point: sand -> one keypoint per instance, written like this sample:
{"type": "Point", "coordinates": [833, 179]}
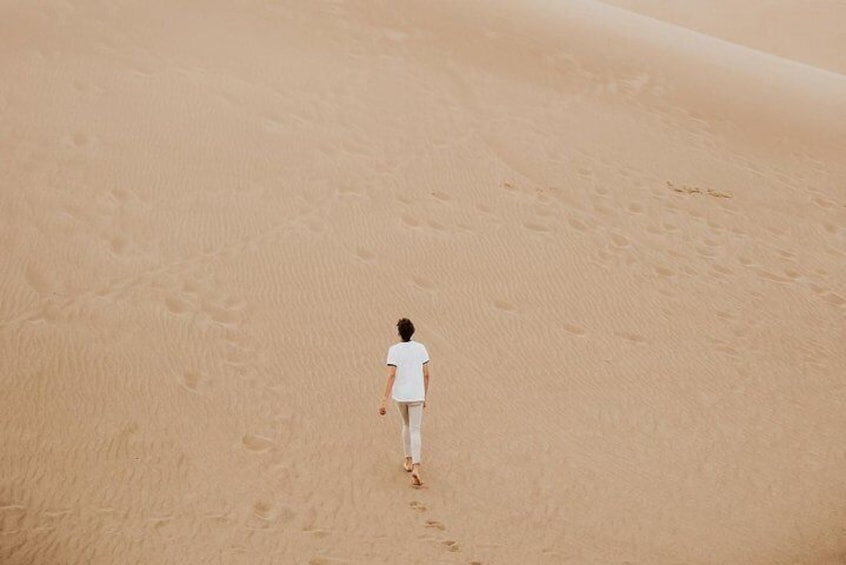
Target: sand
{"type": "Point", "coordinates": [619, 229]}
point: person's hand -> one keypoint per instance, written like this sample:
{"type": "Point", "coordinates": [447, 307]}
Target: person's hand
{"type": "Point", "coordinates": [382, 409]}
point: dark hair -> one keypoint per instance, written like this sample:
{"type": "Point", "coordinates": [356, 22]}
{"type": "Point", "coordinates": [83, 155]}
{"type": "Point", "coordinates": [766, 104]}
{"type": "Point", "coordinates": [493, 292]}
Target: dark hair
{"type": "Point", "coordinates": [406, 329]}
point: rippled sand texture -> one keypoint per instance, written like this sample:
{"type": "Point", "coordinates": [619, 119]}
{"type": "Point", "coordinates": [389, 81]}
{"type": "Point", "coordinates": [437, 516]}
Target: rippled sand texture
{"type": "Point", "coordinates": [622, 236]}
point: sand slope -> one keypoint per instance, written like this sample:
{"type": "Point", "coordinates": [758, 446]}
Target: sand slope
{"type": "Point", "coordinates": [809, 32]}
{"type": "Point", "coordinates": [623, 242]}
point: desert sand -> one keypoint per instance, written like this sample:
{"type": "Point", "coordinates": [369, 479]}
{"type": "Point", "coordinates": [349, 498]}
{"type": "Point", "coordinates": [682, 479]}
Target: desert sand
{"type": "Point", "coordinates": [620, 229]}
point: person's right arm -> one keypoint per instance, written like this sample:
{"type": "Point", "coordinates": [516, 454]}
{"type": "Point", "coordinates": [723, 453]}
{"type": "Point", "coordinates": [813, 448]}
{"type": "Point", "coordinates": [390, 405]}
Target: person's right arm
{"type": "Point", "coordinates": [425, 382]}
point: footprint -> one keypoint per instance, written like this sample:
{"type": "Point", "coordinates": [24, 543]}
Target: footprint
{"type": "Point", "coordinates": [86, 88]}
{"type": "Point", "coordinates": [80, 139]}
{"type": "Point", "coordinates": [635, 208]}
{"type": "Point", "coordinates": [437, 226]}
{"type": "Point", "coordinates": [319, 534]}
{"type": "Point", "coordinates": [364, 254]}
{"type": "Point", "coordinates": [53, 520]}
{"type": "Point", "coordinates": [395, 35]}
{"type": "Point", "coordinates": [11, 518]}
{"type": "Point", "coordinates": [349, 190]}
{"type": "Point", "coordinates": [191, 380]}
{"type": "Point", "coordinates": [410, 221]}
{"type": "Point", "coordinates": [423, 283]}
{"type": "Point", "coordinates": [176, 305]}
{"type": "Point", "coordinates": [504, 306]}
{"type": "Point", "coordinates": [355, 149]}
{"type": "Point", "coordinates": [636, 338]}
{"type": "Point", "coordinates": [577, 224]}
{"type": "Point", "coordinates": [835, 252]}
{"type": "Point", "coordinates": [417, 505]}
{"type": "Point", "coordinates": [262, 510]}
{"type": "Point", "coordinates": [435, 524]}
{"type": "Point", "coordinates": [719, 193]}
{"type": "Point", "coordinates": [222, 315]}
{"type": "Point", "coordinates": [619, 240]}
{"type": "Point", "coordinates": [831, 228]}
{"type": "Point", "coordinates": [706, 252]}
{"type": "Point", "coordinates": [727, 349]}
{"type": "Point", "coordinates": [266, 516]}
{"type": "Point", "coordinates": [191, 286]}
{"type": "Point", "coordinates": [823, 202]}
{"type": "Point", "coordinates": [835, 299]}
{"type": "Point", "coordinates": [38, 280]}
{"type": "Point", "coordinates": [272, 123]}
{"type": "Point", "coordinates": [442, 196]}
{"type": "Point", "coordinates": [604, 210]}
{"type": "Point", "coordinates": [770, 276]}
{"type": "Point", "coordinates": [118, 245]}
{"type": "Point", "coordinates": [314, 226]}
{"type": "Point", "coordinates": [574, 329]}
{"type": "Point", "coordinates": [451, 545]}
{"type": "Point", "coordinates": [664, 271]}
{"type": "Point", "coordinates": [604, 257]}
{"type": "Point", "coordinates": [723, 315]}
{"type": "Point", "coordinates": [535, 227]}
{"type": "Point", "coordinates": [256, 443]}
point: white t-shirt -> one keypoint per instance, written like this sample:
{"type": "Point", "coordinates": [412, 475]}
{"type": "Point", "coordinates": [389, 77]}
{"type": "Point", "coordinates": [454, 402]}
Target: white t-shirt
{"type": "Point", "coordinates": [408, 357]}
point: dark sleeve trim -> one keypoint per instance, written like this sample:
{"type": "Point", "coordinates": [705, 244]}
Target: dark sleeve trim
{"type": "Point", "coordinates": [426, 361]}
{"type": "Point", "coordinates": [391, 365]}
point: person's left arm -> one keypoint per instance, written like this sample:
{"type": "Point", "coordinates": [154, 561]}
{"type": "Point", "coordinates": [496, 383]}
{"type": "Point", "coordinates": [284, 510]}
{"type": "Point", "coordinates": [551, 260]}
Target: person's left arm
{"type": "Point", "coordinates": [425, 382]}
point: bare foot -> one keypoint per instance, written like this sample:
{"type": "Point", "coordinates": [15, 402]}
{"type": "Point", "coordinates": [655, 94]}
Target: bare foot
{"type": "Point", "coordinates": [415, 475]}
{"type": "Point", "coordinates": [407, 464]}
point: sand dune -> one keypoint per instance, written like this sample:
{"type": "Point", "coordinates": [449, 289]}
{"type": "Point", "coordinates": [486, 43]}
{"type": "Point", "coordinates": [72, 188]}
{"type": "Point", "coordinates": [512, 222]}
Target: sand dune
{"type": "Point", "coordinates": [806, 32]}
{"type": "Point", "coordinates": [621, 237]}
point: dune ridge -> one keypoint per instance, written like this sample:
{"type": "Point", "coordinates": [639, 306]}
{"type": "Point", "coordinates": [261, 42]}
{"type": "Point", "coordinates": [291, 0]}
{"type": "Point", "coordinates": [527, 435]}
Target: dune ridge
{"type": "Point", "coordinates": [785, 30]}
{"type": "Point", "coordinates": [648, 58]}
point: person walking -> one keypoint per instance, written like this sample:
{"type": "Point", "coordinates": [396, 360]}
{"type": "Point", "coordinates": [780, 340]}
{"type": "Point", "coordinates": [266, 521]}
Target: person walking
{"type": "Point", "coordinates": [408, 384]}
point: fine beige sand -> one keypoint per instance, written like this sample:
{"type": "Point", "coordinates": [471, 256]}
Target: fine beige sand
{"type": "Point", "coordinates": [620, 229]}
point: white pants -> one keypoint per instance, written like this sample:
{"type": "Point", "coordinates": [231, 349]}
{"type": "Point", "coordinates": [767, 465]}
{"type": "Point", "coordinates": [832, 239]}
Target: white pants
{"type": "Point", "coordinates": [412, 418]}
